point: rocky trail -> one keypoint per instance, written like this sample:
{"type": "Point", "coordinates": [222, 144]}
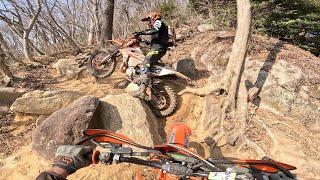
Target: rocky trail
{"type": "Point", "coordinates": [284, 119]}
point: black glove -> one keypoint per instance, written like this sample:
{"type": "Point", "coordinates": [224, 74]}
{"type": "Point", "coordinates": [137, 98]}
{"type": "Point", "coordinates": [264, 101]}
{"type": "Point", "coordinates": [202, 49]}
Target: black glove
{"type": "Point", "coordinates": [137, 33]}
{"type": "Point", "coordinates": [72, 158]}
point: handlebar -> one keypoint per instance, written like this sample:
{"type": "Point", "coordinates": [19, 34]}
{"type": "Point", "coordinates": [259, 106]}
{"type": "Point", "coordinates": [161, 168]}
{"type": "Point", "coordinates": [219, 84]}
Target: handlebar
{"type": "Point", "coordinates": [175, 159]}
{"type": "Point", "coordinates": [167, 166]}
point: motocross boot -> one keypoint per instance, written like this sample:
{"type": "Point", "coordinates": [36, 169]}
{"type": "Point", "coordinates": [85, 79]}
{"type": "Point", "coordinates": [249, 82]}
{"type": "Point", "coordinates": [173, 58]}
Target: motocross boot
{"type": "Point", "coordinates": [141, 93]}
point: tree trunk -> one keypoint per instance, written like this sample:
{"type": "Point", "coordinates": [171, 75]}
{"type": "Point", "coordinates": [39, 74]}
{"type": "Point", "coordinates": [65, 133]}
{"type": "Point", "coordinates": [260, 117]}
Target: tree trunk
{"type": "Point", "coordinates": [26, 32]}
{"type": "Point", "coordinates": [3, 67]}
{"type": "Point", "coordinates": [107, 27]}
{"type": "Point", "coordinates": [97, 21]}
{"type": "Point", "coordinates": [36, 49]}
{"type": "Point", "coordinates": [91, 32]}
{"type": "Point", "coordinates": [7, 48]}
{"type": "Point", "coordinates": [232, 75]}
{"type": "Point", "coordinates": [234, 105]}
{"type": "Point", "coordinates": [238, 55]}
{"type": "Point", "coordinates": [26, 48]}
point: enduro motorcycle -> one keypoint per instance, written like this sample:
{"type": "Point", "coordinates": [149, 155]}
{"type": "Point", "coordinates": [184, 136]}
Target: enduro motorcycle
{"type": "Point", "coordinates": [174, 160]}
{"type": "Point", "coordinates": [160, 96]}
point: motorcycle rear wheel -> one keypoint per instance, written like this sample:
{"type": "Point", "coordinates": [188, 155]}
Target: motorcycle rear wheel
{"type": "Point", "coordinates": [98, 69]}
{"type": "Point", "coordinates": [164, 101]}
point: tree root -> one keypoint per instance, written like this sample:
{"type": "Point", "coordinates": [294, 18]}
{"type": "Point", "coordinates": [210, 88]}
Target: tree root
{"type": "Point", "coordinates": [250, 144]}
{"type": "Point", "coordinates": [240, 147]}
{"type": "Point", "coordinates": [271, 136]}
{"type": "Point", "coordinates": [255, 146]}
{"type": "Point", "coordinates": [282, 123]}
{"type": "Point", "coordinates": [203, 91]}
{"type": "Point", "coordinates": [98, 87]}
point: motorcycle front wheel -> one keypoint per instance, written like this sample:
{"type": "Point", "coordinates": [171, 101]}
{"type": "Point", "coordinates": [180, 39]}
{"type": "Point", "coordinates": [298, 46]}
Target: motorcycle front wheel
{"type": "Point", "coordinates": [164, 100]}
{"type": "Point", "coordinates": [100, 66]}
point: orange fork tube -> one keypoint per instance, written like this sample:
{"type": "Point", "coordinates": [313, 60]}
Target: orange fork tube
{"type": "Point", "coordinates": [166, 176]}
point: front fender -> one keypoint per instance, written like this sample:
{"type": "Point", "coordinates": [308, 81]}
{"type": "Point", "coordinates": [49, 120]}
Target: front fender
{"type": "Point", "coordinates": [165, 71]}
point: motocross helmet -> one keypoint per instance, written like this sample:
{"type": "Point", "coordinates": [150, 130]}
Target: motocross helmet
{"type": "Point", "coordinates": [152, 16]}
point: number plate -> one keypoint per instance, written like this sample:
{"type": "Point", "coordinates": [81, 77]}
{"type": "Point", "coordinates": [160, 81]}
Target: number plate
{"type": "Point", "coordinates": [222, 176]}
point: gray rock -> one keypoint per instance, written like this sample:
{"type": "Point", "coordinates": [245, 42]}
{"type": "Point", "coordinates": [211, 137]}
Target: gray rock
{"type": "Point", "coordinates": [130, 117]}
{"type": "Point", "coordinates": [44, 102]}
{"type": "Point", "coordinates": [205, 27]}
{"type": "Point", "coordinates": [69, 68]}
{"type": "Point", "coordinates": [283, 88]}
{"type": "Point", "coordinates": [186, 66]}
{"type": "Point", "coordinates": [65, 126]}
{"type": "Point", "coordinates": [277, 99]}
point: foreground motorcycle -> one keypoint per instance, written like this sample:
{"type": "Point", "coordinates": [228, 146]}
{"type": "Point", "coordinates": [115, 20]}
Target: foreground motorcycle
{"type": "Point", "coordinates": [160, 96]}
{"type": "Point", "coordinates": [174, 160]}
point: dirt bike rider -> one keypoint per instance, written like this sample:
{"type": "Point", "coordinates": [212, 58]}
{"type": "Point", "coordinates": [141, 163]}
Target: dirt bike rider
{"type": "Point", "coordinates": [159, 45]}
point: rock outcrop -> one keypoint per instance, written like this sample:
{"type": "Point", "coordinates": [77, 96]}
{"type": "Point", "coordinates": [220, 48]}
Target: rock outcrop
{"type": "Point", "coordinates": [130, 117]}
{"type": "Point", "coordinates": [121, 113]}
{"type": "Point", "coordinates": [284, 86]}
{"type": "Point", "coordinates": [284, 78]}
{"type": "Point", "coordinates": [65, 126]}
{"type": "Point", "coordinates": [44, 102]}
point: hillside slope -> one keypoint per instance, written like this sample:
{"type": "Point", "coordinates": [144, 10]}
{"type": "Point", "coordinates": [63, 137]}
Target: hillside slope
{"type": "Point", "coordinates": [284, 115]}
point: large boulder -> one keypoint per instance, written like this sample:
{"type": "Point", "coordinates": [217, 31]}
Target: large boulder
{"type": "Point", "coordinates": [7, 96]}
{"type": "Point", "coordinates": [65, 126]}
{"type": "Point", "coordinates": [186, 66]}
{"type": "Point", "coordinates": [44, 102]}
{"type": "Point", "coordinates": [130, 117]}
{"type": "Point", "coordinates": [283, 88]}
